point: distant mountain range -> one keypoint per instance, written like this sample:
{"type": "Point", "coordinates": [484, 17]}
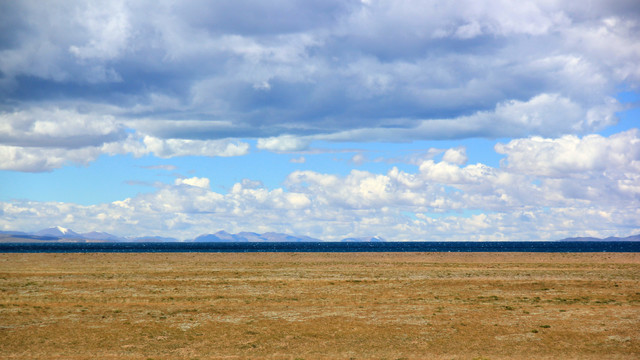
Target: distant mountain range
{"type": "Point", "coordinates": [60, 234]}
{"type": "Point", "coordinates": [611, 238]}
{"type": "Point", "coordinates": [223, 236]}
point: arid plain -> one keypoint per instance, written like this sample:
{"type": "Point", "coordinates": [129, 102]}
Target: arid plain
{"type": "Point", "coordinates": [319, 305]}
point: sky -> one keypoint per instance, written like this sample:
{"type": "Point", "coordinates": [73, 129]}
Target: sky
{"type": "Point", "coordinates": [409, 120]}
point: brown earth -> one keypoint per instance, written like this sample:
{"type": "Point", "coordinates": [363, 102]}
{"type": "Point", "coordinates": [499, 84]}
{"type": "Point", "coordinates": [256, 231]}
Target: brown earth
{"type": "Point", "coordinates": [307, 306]}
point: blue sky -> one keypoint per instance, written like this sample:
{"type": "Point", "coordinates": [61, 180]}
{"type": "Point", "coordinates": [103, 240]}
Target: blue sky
{"type": "Point", "coordinates": [411, 120]}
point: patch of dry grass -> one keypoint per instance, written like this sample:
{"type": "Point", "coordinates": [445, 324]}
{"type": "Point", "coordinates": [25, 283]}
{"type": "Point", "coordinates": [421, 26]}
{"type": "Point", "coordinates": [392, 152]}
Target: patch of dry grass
{"type": "Point", "coordinates": [296, 305]}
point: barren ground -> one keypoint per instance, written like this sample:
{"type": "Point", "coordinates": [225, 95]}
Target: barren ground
{"type": "Point", "coordinates": [317, 305]}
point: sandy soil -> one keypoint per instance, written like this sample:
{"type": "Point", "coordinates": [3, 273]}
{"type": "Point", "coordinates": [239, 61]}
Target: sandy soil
{"type": "Point", "coordinates": [308, 306]}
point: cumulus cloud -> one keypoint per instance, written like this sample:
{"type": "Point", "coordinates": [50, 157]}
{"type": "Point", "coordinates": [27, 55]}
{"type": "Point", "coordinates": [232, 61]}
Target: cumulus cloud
{"type": "Point", "coordinates": [194, 181]}
{"type": "Point", "coordinates": [570, 155]}
{"type": "Point", "coordinates": [456, 156]}
{"type": "Point", "coordinates": [441, 200]}
{"type": "Point", "coordinates": [593, 168]}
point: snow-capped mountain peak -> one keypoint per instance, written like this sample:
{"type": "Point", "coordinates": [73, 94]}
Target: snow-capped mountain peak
{"type": "Point", "coordinates": [57, 231]}
{"type": "Point", "coordinates": [62, 230]}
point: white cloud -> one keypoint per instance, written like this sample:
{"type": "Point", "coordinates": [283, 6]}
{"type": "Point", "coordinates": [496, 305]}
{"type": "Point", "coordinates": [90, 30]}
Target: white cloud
{"type": "Point", "coordinates": [194, 181]}
{"type": "Point", "coordinates": [594, 168]}
{"type": "Point", "coordinates": [42, 159]}
{"type": "Point", "coordinates": [58, 127]}
{"type": "Point", "coordinates": [39, 159]}
{"type": "Point", "coordinates": [283, 143]}
{"type": "Point", "coordinates": [456, 156]}
{"type": "Point", "coordinates": [570, 155]}
{"type": "Point", "coordinates": [167, 148]}
{"type": "Point", "coordinates": [442, 172]}
{"type": "Point", "coordinates": [45, 138]}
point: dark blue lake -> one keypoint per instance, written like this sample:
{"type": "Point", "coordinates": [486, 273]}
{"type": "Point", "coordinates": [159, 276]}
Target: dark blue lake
{"type": "Point", "coordinates": [426, 246]}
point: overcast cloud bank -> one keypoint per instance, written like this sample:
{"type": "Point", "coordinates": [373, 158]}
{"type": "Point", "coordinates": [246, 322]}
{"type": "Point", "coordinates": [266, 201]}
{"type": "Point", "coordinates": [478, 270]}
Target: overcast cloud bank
{"type": "Point", "coordinates": [173, 79]}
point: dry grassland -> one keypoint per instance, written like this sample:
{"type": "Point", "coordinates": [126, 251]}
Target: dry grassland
{"type": "Point", "coordinates": [307, 306]}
